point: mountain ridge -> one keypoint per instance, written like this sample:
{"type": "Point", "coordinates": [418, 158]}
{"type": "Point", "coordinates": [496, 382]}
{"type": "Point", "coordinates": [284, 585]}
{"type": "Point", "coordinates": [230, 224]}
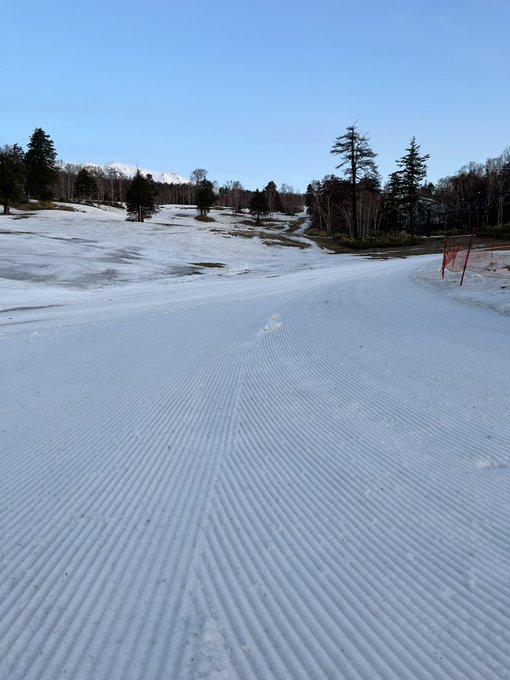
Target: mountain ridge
{"type": "Point", "coordinates": [129, 171]}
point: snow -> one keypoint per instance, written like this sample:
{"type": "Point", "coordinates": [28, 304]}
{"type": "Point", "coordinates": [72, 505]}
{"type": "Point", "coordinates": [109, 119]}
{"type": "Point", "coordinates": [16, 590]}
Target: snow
{"type": "Point", "coordinates": [295, 465]}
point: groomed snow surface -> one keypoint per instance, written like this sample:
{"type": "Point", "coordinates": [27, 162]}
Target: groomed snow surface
{"type": "Point", "coordinates": [293, 466]}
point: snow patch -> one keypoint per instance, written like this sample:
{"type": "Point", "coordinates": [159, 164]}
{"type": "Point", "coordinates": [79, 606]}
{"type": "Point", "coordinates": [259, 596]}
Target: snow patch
{"type": "Point", "coordinates": [489, 462]}
{"type": "Point", "coordinates": [215, 662]}
{"type": "Point", "coordinates": [273, 324]}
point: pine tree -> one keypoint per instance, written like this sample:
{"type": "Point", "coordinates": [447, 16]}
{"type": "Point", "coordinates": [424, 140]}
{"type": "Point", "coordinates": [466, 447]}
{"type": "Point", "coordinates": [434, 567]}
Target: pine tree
{"type": "Point", "coordinates": [85, 185]}
{"type": "Point", "coordinates": [204, 196]}
{"type": "Point", "coordinates": [141, 198]}
{"type": "Point", "coordinates": [12, 176]}
{"type": "Point", "coordinates": [40, 164]}
{"type": "Point", "coordinates": [258, 205]}
{"type": "Point", "coordinates": [413, 172]}
{"type": "Point", "coordinates": [358, 158]}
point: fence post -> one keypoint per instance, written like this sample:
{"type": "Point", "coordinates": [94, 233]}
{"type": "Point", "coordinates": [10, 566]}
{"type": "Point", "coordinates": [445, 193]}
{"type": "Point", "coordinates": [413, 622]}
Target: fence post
{"type": "Point", "coordinates": [467, 257]}
{"type": "Point", "coordinates": [445, 248]}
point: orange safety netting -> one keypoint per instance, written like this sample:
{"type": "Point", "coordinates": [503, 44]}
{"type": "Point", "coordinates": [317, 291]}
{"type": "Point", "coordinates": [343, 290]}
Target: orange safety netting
{"type": "Point", "coordinates": [492, 260]}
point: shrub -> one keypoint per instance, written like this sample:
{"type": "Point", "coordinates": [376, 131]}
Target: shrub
{"type": "Point", "coordinates": [499, 233]}
{"type": "Point", "coordinates": [204, 218]}
{"type": "Point", "coordinates": [378, 241]}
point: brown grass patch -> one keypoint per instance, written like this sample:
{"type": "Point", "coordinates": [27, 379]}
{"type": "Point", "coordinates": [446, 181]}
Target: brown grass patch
{"type": "Point", "coordinates": [208, 265]}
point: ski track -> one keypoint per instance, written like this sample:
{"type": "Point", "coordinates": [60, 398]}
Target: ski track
{"type": "Point", "coordinates": [302, 482]}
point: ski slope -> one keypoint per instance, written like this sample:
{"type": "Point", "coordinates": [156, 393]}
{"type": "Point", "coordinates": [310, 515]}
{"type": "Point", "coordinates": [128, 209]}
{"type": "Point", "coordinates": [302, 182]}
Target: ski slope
{"type": "Point", "coordinates": [293, 476]}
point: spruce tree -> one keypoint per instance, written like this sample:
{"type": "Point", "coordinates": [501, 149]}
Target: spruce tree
{"type": "Point", "coordinates": [310, 197]}
{"type": "Point", "coordinates": [40, 164]}
{"type": "Point", "coordinates": [204, 196]}
{"type": "Point", "coordinates": [393, 202]}
{"type": "Point", "coordinates": [358, 159]}
{"type": "Point", "coordinates": [413, 172]}
{"type": "Point", "coordinates": [258, 205]}
{"type": "Point", "coordinates": [12, 176]}
{"type": "Point", "coordinates": [141, 198]}
{"type": "Point", "coordinates": [85, 185]}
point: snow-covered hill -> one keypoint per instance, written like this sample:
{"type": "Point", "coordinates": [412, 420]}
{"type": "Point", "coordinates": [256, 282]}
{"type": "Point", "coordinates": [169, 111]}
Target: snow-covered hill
{"type": "Point", "coordinates": [129, 171]}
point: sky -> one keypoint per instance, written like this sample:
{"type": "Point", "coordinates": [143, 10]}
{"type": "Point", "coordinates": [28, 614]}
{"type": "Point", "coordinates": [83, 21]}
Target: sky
{"type": "Point", "coordinates": [257, 91]}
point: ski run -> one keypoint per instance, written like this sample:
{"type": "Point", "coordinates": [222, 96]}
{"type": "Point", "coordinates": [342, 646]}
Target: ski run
{"type": "Point", "coordinates": [232, 458]}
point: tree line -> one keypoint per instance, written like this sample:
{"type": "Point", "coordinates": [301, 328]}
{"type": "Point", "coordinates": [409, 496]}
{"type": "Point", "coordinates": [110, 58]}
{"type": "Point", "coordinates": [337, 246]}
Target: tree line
{"type": "Point", "coordinates": [143, 193]}
{"type": "Point", "coordinates": [356, 203]}
{"type": "Point", "coordinates": [37, 174]}
{"type": "Point", "coordinates": [31, 173]}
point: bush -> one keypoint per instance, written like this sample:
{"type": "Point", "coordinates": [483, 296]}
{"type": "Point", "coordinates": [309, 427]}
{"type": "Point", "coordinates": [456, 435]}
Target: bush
{"type": "Point", "coordinates": [204, 218]}
{"type": "Point", "coordinates": [499, 233]}
{"type": "Point", "coordinates": [313, 231]}
{"type": "Point", "coordinates": [378, 241]}
{"type": "Point", "coordinates": [40, 205]}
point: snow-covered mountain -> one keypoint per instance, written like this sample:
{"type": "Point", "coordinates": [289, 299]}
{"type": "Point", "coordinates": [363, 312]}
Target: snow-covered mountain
{"type": "Point", "coordinates": [129, 171]}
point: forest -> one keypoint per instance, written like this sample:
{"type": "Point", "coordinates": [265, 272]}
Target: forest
{"type": "Point", "coordinates": [476, 197]}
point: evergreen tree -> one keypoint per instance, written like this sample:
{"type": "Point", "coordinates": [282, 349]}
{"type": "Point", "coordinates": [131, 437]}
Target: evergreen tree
{"type": "Point", "coordinates": [204, 196]}
{"type": "Point", "coordinates": [358, 159]}
{"type": "Point", "coordinates": [310, 197]}
{"type": "Point", "coordinates": [393, 214]}
{"type": "Point", "coordinates": [271, 195]}
{"type": "Point", "coordinates": [40, 164]}
{"type": "Point", "coordinates": [85, 185]}
{"type": "Point", "coordinates": [258, 205]}
{"type": "Point", "coordinates": [12, 176]}
{"type": "Point", "coordinates": [413, 172]}
{"type": "Point", "coordinates": [141, 198]}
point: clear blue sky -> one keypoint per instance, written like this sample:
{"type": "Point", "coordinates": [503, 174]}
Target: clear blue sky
{"type": "Point", "coordinates": [258, 90]}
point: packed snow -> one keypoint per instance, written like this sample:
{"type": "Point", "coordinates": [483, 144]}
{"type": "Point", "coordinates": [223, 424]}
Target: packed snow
{"type": "Point", "coordinates": [229, 454]}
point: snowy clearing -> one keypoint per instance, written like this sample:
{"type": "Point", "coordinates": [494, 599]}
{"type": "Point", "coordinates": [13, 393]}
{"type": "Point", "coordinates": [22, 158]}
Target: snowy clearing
{"type": "Point", "coordinates": [291, 466]}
